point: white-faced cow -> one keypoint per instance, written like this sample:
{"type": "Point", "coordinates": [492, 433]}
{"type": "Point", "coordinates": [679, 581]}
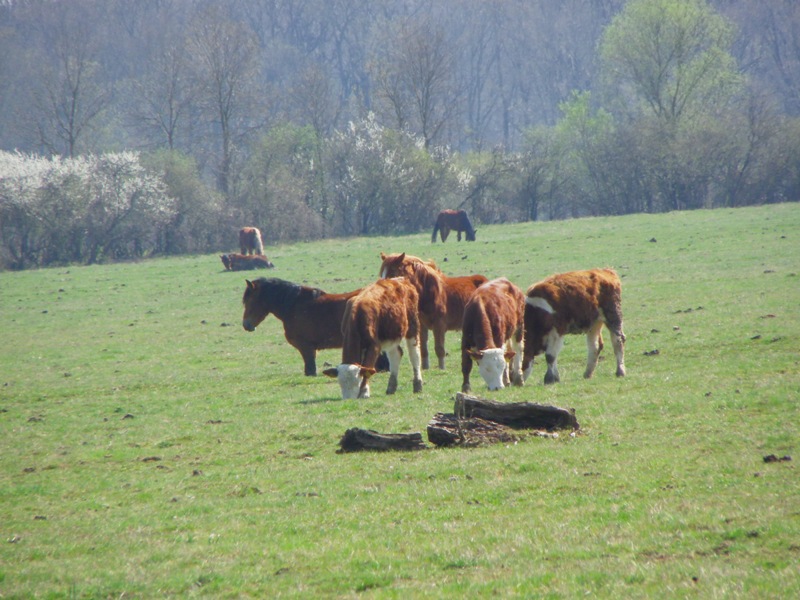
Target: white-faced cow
{"type": "Point", "coordinates": [379, 318]}
{"type": "Point", "coordinates": [492, 334]}
{"type": "Point", "coordinates": [575, 302]}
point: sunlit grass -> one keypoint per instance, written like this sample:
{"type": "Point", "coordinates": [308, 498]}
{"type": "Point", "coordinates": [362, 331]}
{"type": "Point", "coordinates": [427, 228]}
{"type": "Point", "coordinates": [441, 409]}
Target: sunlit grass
{"type": "Point", "coordinates": [153, 448]}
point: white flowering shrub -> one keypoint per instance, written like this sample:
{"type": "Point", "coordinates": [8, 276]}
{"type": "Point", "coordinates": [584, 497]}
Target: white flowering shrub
{"type": "Point", "coordinates": [85, 209]}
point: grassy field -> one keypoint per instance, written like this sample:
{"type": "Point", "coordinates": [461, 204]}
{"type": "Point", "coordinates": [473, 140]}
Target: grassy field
{"type": "Point", "coordinates": [152, 448]}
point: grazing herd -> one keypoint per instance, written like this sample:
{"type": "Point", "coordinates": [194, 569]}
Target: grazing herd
{"type": "Point", "coordinates": [502, 328]}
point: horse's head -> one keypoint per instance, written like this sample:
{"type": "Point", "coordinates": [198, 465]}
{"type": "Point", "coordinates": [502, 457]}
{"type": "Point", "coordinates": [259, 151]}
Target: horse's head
{"type": "Point", "coordinates": [226, 261]}
{"type": "Point", "coordinates": [393, 265]}
{"type": "Point", "coordinates": [256, 308]}
{"type": "Point", "coordinates": [471, 235]}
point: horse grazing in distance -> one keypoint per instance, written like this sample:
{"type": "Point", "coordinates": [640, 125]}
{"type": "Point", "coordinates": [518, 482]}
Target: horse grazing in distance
{"type": "Point", "coordinates": [456, 220]}
{"type": "Point", "coordinates": [441, 298]}
{"type": "Point", "coordinates": [250, 241]}
{"type": "Point", "coordinates": [312, 318]}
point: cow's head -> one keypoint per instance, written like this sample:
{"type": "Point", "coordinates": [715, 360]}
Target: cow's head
{"type": "Point", "coordinates": [492, 365]}
{"type": "Point", "coordinates": [353, 379]}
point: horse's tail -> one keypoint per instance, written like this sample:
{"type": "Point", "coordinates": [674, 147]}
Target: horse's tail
{"type": "Point", "coordinates": [435, 231]}
{"type": "Point", "coordinates": [259, 245]}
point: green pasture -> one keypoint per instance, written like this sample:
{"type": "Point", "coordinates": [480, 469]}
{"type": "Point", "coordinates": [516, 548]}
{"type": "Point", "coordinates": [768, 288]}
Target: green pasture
{"type": "Point", "coordinates": [152, 448]}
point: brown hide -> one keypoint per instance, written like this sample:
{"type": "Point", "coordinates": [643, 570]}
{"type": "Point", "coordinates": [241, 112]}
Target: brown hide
{"type": "Point", "coordinates": [383, 311]}
{"type": "Point", "coordinates": [250, 241]}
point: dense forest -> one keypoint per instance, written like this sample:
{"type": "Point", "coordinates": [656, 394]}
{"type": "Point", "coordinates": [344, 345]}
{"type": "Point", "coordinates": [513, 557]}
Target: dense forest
{"type": "Point", "coordinates": [134, 128]}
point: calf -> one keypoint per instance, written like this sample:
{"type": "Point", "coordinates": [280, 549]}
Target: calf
{"type": "Point", "coordinates": [378, 318]}
{"type": "Point", "coordinates": [245, 262]}
{"type": "Point", "coordinates": [575, 302]}
{"type": "Point", "coordinates": [492, 334]}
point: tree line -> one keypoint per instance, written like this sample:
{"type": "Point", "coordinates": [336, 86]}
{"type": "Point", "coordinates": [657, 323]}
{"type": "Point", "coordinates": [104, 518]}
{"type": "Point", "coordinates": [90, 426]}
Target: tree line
{"type": "Point", "coordinates": [161, 126]}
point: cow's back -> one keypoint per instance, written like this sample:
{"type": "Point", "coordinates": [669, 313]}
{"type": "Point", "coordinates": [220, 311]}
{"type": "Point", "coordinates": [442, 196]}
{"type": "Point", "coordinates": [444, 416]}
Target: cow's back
{"type": "Point", "coordinates": [493, 314]}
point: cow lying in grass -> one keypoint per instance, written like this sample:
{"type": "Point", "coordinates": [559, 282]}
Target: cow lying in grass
{"type": "Point", "coordinates": [575, 302]}
{"type": "Point", "coordinates": [379, 318]}
{"type": "Point", "coordinates": [492, 334]}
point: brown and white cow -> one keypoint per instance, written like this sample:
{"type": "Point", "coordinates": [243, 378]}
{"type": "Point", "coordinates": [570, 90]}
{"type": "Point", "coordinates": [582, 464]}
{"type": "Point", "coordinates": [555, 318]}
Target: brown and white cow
{"type": "Point", "coordinates": [378, 319]}
{"type": "Point", "coordinates": [493, 333]}
{"type": "Point", "coordinates": [245, 262]}
{"type": "Point", "coordinates": [574, 302]}
{"type": "Point", "coordinates": [441, 298]}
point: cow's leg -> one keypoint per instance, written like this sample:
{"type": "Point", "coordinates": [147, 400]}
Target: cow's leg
{"type": "Point", "coordinates": [310, 360]}
{"type": "Point", "coordinates": [439, 330]}
{"type": "Point", "coordinates": [527, 368]}
{"type": "Point", "coordinates": [518, 346]}
{"type": "Point", "coordinates": [423, 346]}
{"type": "Point", "coordinates": [466, 368]}
{"type": "Point", "coordinates": [370, 357]}
{"type": "Point", "coordinates": [394, 356]}
{"type": "Point", "coordinates": [553, 348]}
{"type": "Point", "coordinates": [594, 343]}
{"type": "Point", "coordinates": [614, 324]}
{"type": "Point", "coordinates": [618, 342]}
{"type": "Point", "coordinates": [414, 356]}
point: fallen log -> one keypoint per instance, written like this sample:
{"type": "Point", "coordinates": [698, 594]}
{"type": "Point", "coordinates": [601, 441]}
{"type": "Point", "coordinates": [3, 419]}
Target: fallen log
{"type": "Point", "coordinates": [517, 415]}
{"type": "Point", "coordinates": [355, 440]}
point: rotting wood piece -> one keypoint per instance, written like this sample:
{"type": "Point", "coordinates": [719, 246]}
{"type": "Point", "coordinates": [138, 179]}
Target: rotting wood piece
{"type": "Point", "coordinates": [449, 430]}
{"type": "Point", "coordinates": [356, 439]}
{"type": "Point", "coordinates": [517, 415]}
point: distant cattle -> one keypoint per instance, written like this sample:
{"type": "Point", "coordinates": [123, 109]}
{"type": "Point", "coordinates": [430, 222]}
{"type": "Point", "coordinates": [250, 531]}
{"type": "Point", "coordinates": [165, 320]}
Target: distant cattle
{"type": "Point", "coordinates": [575, 302]}
{"type": "Point", "coordinates": [379, 318]}
{"type": "Point", "coordinates": [441, 298]}
{"type": "Point", "coordinates": [492, 334]}
{"type": "Point", "coordinates": [453, 219]}
{"type": "Point", "coordinates": [250, 240]}
{"type": "Point", "coordinates": [245, 262]}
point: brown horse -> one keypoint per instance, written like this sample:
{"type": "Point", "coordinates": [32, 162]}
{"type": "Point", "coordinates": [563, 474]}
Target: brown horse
{"type": "Point", "coordinates": [456, 220]}
{"type": "Point", "coordinates": [441, 298]}
{"type": "Point", "coordinates": [245, 262]}
{"type": "Point", "coordinates": [312, 318]}
{"type": "Point", "coordinates": [250, 240]}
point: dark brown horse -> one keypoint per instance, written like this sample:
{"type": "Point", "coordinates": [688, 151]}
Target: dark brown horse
{"type": "Point", "coordinates": [250, 240]}
{"type": "Point", "coordinates": [441, 298]}
{"type": "Point", "coordinates": [312, 318]}
{"type": "Point", "coordinates": [456, 220]}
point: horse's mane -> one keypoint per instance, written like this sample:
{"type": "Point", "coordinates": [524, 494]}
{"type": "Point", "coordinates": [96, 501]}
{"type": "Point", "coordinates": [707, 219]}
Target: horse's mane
{"type": "Point", "coordinates": [284, 294]}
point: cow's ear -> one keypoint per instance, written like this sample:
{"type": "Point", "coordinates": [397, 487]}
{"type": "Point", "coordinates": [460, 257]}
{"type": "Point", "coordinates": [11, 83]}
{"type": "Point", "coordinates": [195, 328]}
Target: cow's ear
{"type": "Point", "coordinates": [401, 257]}
{"type": "Point", "coordinates": [475, 354]}
{"type": "Point", "coordinates": [510, 354]}
{"type": "Point", "coordinates": [383, 256]}
{"type": "Point", "coordinates": [367, 372]}
{"type": "Point", "coordinates": [332, 372]}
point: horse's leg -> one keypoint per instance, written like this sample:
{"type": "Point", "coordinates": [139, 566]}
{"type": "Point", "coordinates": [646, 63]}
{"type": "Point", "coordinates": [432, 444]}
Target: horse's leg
{"type": "Point", "coordinates": [439, 330]}
{"type": "Point", "coordinates": [445, 231]}
{"type": "Point", "coordinates": [423, 346]}
{"type": "Point", "coordinates": [458, 237]}
{"type": "Point", "coordinates": [414, 356]}
{"type": "Point", "coordinates": [466, 368]}
{"type": "Point", "coordinates": [309, 354]}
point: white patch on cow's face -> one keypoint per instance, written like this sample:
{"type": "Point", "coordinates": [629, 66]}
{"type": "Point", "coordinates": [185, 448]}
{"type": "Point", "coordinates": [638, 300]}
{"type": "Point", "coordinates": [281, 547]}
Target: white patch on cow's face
{"type": "Point", "coordinates": [350, 381]}
{"type": "Point", "coordinates": [383, 274]}
{"type": "Point", "coordinates": [541, 303]}
{"type": "Point", "coordinates": [491, 366]}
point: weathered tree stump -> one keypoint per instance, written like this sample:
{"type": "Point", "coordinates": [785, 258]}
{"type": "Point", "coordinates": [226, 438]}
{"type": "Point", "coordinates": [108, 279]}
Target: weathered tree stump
{"type": "Point", "coordinates": [479, 421]}
{"type": "Point", "coordinates": [449, 430]}
{"type": "Point", "coordinates": [355, 440]}
{"type": "Point", "coordinates": [517, 415]}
